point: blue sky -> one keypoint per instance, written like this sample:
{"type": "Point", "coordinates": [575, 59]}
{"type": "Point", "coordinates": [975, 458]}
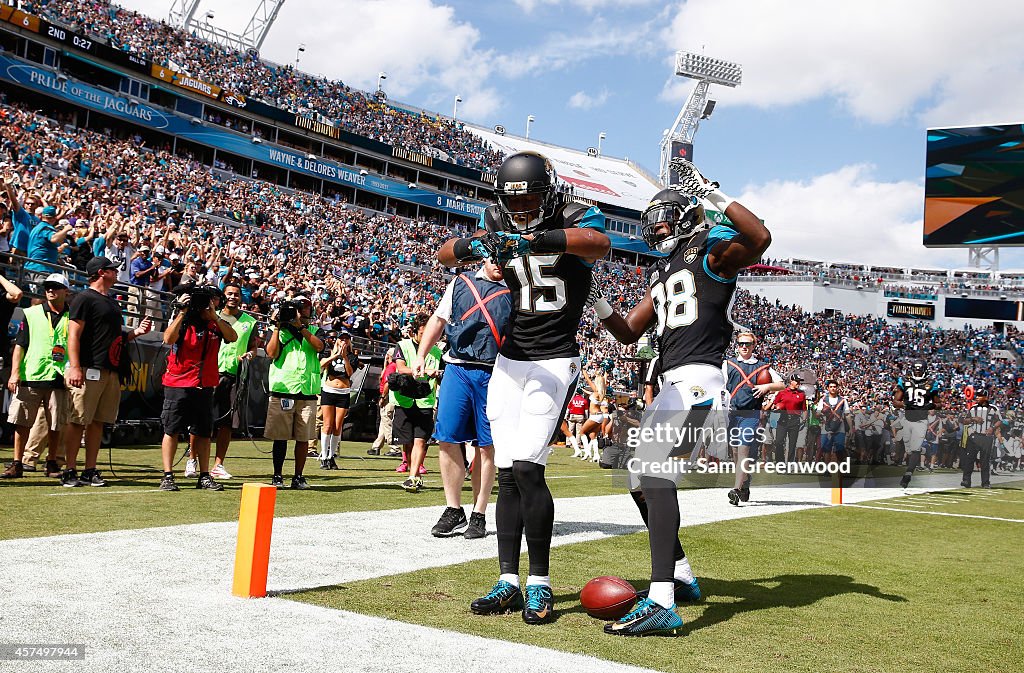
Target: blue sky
{"type": "Point", "coordinates": [824, 139]}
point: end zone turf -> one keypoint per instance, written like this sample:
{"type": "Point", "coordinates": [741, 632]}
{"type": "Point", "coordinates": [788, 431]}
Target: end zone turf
{"type": "Point", "coordinates": [822, 589]}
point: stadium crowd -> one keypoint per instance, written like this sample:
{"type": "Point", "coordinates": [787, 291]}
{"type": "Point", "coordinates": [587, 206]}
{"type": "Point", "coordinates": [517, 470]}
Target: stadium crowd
{"type": "Point", "coordinates": [284, 86]}
{"type": "Point", "coordinates": [166, 219]}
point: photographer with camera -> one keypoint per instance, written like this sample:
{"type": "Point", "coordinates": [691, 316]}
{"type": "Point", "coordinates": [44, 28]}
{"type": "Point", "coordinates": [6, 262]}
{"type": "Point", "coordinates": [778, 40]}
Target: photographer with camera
{"type": "Point", "coordinates": [335, 395]}
{"type": "Point", "coordinates": [194, 335]}
{"type": "Point", "coordinates": [294, 380]}
{"type": "Point", "coordinates": [229, 361]}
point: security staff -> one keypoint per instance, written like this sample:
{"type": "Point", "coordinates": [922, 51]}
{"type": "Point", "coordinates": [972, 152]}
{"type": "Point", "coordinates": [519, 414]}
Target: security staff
{"type": "Point", "coordinates": [37, 372]}
{"type": "Point", "coordinates": [414, 417]}
{"type": "Point", "coordinates": [473, 315]}
{"type": "Point", "coordinates": [294, 381]}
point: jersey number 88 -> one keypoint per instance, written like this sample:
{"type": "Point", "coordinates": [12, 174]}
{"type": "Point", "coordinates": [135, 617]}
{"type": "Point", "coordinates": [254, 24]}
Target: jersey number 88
{"type": "Point", "coordinates": [675, 300]}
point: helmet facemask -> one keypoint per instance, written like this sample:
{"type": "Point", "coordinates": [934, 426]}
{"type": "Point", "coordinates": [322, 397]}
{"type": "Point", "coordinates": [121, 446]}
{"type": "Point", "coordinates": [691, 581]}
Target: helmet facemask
{"type": "Point", "coordinates": [684, 222]}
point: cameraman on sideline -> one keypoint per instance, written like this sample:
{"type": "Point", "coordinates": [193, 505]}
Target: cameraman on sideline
{"type": "Point", "coordinates": [229, 359]}
{"type": "Point", "coordinates": [294, 381]}
{"type": "Point", "coordinates": [194, 335]}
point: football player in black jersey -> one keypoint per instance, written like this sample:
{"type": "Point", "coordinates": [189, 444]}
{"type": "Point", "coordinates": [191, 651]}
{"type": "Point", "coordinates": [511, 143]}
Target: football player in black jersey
{"type": "Point", "coordinates": [915, 395]}
{"type": "Point", "coordinates": [547, 250]}
{"type": "Point", "coordinates": [688, 301]}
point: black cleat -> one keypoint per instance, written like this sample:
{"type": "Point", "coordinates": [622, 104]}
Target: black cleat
{"type": "Point", "coordinates": [477, 527]}
{"type": "Point", "coordinates": [372, 451]}
{"type": "Point", "coordinates": [92, 477]}
{"type": "Point", "coordinates": [734, 497]}
{"type": "Point", "coordinates": [167, 484]}
{"type": "Point", "coordinates": [684, 592]}
{"type": "Point", "coordinates": [277, 481]}
{"type": "Point", "coordinates": [299, 483]}
{"type": "Point", "coordinates": [206, 483]}
{"type": "Point", "coordinates": [331, 465]}
{"type": "Point", "coordinates": [504, 597]}
{"type": "Point", "coordinates": [452, 522]}
{"type": "Point", "coordinates": [745, 494]}
{"type": "Point", "coordinates": [69, 479]}
{"type": "Point", "coordinates": [540, 605]}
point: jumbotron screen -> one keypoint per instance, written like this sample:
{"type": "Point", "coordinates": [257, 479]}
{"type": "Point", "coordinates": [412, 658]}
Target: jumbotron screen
{"type": "Point", "coordinates": [974, 186]}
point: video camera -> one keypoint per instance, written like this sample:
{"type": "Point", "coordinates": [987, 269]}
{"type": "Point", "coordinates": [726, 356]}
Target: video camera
{"type": "Point", "coordinates": [288, 310]}
{"type": "Point", "coordinates": [193, 299]}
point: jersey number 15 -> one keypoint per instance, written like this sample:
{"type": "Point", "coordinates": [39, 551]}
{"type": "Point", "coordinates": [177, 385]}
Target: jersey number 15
{"type": "Point", "coordinates": [534, 273]}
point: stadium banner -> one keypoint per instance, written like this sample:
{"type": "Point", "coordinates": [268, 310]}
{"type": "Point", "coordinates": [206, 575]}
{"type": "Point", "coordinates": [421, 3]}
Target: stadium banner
{"type": "Point", "coordinates": [185, 81]}
{"type": "Point", "coordinates": [22, 19]}
{"type": "Point", "coordinates": [414, 157]}
{"type": "Point", "coordinates": [910, 310]}
{"type": "Point", "coordinates": [316, 126]}
{"type": "Point", "coordinates": [94, 98]}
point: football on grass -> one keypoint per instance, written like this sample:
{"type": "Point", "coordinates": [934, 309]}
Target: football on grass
{"type": "Point", "coordinates": [607, 597]}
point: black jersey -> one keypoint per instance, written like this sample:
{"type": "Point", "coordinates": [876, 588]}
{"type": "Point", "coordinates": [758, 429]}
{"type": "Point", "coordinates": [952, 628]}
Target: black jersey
{"type": "Point", "coordinates": [692, 304]}
{"type": "Point", "coordinates": [549, 291]}
{"type": "Point", "coordinates": [918, 398]}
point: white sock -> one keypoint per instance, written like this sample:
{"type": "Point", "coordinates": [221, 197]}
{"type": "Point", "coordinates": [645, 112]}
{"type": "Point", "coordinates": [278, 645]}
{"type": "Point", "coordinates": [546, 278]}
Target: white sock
{"type": "Point", "coordinates": [510, 578]}
{"type": "Point", "coordinates": [544, 580]}
{"type": "Point", "coordinates": [324, 446]}
{"type": "Point", "coordinates": [586, 446]}
{"type": "Point", "coordinates": [683, 571]}
{"type": "Point", "coordinates": [663, 593]}
{"type": "Point", "coordinates": [575, 444]}
{"type": "Point", "coordinates": [335, 441]}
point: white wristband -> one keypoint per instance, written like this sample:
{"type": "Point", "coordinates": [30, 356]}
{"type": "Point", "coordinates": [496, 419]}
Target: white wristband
{"type": "Point", "coordinates": [602, 308]}
{"type": "Point", "coordinates": [719, 200]}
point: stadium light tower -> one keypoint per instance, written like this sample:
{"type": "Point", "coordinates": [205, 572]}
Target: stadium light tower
{"type": "Point", "coordinates": [381, 76]}
{"type": "Point", "coordinates": [706, 71]}
{"type": "Point", "coordinates": [455, 108]}
{"type": "Point", "coordinates": [529, 120]}
{"type": "Point", "coordinates": [301, 48]}
{"type": "Point", "coordinates": [182, 14]}
{"type": "Point", "coordinates": [600, 136]}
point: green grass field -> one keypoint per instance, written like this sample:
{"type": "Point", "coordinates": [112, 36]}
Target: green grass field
{"type": "Point", "coordinates": [37, 506]}
{"type": "Point", "coordinates": [838, 588]}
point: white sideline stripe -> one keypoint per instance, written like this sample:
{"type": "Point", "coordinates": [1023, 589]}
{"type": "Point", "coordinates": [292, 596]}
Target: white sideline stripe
{"type": "Point", "coordinates": [101, 491]}
{"type": "Point", "coordinates": [914, 511]}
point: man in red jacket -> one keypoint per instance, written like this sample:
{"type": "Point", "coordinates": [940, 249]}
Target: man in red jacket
{"type": "Point", "coordinates": [792, 403]}
{"type": "Point", "coordinates": [192, 375]}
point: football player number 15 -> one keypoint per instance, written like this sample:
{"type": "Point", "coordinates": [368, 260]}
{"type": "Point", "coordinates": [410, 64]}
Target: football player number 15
{"type": "Point", "coordinates": [675, 300]}
{"type": "Point", "coordinates": [533, 273]}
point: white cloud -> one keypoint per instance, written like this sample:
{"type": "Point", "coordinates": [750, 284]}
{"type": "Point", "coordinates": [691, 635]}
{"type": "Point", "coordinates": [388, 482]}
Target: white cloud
{"type": "Point", "coordinates": [581, 100]}
{"type": "Point", "coordinates": [881, 59]}
{"type": "Point", "coordinates": [589, 5]}
{"type": "Point", "coordinates": [558, 50]}
{"type": "Point", "coordinates": [422, 46]}
{"type": "Point", "coordinates": [847, 215]}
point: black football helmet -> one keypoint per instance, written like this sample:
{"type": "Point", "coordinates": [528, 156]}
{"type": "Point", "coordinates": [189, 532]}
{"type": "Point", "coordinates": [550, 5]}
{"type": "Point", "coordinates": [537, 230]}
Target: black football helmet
{"type": "Point", "coordinates": [918, 369]}
{"type": "Point", "coordinates": [684, 214]}
{"type": "Point", "coordinates": [526, 191]}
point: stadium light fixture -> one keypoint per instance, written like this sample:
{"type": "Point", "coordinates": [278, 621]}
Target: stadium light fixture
{"type": "Point", "coordinates": [455, 108]}
{"type": "Point", "coordinates": [381, 76]}
{"type": "Point", "coordinates": [311, 156]}
{"type": "Point", "coordinates": [256, 140]}
{"type": "Point", "coordinates": [363, 171]}
{"type": "Point", "coordinates": [209, 15]}
{"type": "Point", "coordinates": [529, 120]}
{"type": "Point", "coordinates": [600, 136]}
{"type": "Point", "coordinates": [301, 48]}
{"type": "Point", "coordinates": [706, 71]}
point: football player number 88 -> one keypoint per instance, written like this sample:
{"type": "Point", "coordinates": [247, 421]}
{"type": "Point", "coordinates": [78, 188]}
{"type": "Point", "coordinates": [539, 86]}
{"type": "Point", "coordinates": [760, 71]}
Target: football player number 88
{"type": "Point", "coordinates": [675, 300]}
{"type": "Point", "coordinates": [530, 271]}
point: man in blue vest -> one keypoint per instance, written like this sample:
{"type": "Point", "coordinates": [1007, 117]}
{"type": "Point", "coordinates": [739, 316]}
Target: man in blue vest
{"type": "Point", "coordinates": [473, 315]}
{"type": "Point", "coordinates": [746, 395]}
{"type": "Point", "coordinates": [37, 372]}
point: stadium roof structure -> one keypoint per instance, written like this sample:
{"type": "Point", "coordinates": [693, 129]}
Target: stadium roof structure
{"type": "Point", "coordinates": [618, 182]}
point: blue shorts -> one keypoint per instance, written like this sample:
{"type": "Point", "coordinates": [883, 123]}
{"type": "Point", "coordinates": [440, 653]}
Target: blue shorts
{"type": "Point", "coordinates": [833, 442]}
{"type": "Point", "coordinates": [931, 448]}
{"type": "Point", "coordinates": [462, 405]}
{"type": "Point", "coordinates": [743, 425]}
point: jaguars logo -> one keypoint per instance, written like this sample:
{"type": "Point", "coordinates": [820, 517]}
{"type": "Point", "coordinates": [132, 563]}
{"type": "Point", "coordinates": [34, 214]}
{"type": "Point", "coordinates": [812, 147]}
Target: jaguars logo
{"type": "Point", "coordinates": [697, 392]}
{"type": "Point", "coordinates": [572, 369]}
{"type": "Point", "coordinates": [690, 255]}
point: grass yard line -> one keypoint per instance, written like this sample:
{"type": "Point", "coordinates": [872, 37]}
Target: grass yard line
{"type": "Point", "coordinates": [914, 511]}
{"type": "Point", "coordinates": [101, 491]}
{"type": "Point", "coordinates": [908, 504]}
